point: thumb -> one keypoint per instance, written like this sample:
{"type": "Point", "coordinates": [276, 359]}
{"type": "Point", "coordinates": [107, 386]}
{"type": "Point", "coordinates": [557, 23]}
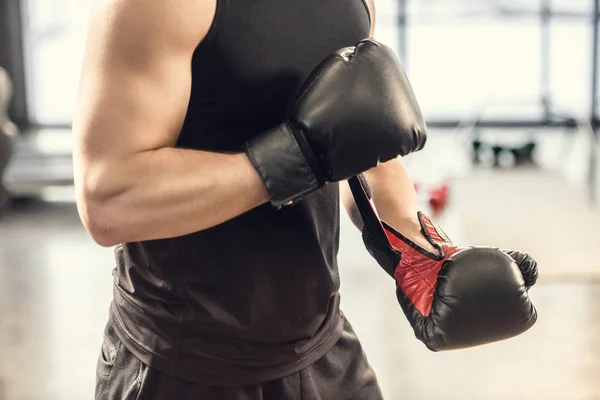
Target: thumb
{"type": "Point", "coordinates": [527, 265]}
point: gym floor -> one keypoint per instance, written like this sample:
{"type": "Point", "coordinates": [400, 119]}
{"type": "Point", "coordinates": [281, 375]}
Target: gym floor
{"type": "Point", "coordinates": [50, 336]}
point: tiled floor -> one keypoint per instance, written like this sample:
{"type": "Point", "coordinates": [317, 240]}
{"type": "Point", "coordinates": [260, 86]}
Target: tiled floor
{"type": "Point", "coordinates": [55, 287]}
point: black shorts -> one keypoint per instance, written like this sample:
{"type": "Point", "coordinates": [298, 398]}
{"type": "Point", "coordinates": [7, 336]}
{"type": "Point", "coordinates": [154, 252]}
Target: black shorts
{"type": "Point", "coordinates": [342, 374]}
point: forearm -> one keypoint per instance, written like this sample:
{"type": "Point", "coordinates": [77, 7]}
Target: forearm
{"type": "Point", "coordinates": [395, 199]}
{"type": "Point", "coordinates": [165, 193]}
{"type": "Point", "coordinates": [393, 193]}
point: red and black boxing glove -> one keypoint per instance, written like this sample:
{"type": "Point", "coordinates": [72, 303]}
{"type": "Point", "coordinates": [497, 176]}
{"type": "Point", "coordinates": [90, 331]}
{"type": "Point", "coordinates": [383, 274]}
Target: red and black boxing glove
{"type": "Point", "coordinates": [461, 298]}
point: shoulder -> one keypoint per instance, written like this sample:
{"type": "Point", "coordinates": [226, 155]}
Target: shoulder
{"type": "Point", "coordinates": [156, 22]}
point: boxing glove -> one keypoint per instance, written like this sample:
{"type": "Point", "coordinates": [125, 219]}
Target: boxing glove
{"type": "Point", "coordinates": [355, 109]}
{"type": "Point", "coordinates": [458, 298]}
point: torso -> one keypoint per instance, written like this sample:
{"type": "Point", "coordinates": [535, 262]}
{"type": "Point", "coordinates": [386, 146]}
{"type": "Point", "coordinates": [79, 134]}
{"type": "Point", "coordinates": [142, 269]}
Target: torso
{"type": "Point", "coordinates": [257, 296]}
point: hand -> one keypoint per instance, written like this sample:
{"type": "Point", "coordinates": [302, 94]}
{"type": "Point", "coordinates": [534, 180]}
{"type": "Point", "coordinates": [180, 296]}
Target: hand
{"type": "Point", "coordinates": [459, 297]}
{"type": "Point", "coordinates": [355, 110]}
{"type": "Point", "coordinates": [527, 265]}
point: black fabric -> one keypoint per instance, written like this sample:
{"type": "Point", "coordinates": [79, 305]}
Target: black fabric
{"type": "Point", "coordinates": [255, 298]}
{"type": "Point", "coordinates": [341, 374]}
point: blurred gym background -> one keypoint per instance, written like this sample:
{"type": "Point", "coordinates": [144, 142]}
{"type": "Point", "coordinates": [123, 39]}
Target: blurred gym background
{"type": "Point", "coordinates": [510, 92]}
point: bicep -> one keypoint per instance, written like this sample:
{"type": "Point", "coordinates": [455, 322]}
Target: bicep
{"type": "Point", "coordinates": [124, 109]}
{"type": "Point", "coordinates": [135, 81]}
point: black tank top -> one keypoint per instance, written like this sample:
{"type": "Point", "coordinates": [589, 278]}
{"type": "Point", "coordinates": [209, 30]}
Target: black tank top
{"type": "Point", "coordinates": [255, 298]}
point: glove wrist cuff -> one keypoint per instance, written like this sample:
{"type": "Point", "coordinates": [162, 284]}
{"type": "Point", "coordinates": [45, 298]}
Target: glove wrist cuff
{"type": "Point", "coordinates": [283, 165]}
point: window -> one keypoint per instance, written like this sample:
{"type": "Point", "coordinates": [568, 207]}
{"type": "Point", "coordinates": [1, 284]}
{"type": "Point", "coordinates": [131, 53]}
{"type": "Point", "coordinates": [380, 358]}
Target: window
{"type": "Point", "coordinates": [464, 56]}
{"type": "Point", "coordinates": [54, 41]}
{"type": "Point", "coordinates": [460, 55]}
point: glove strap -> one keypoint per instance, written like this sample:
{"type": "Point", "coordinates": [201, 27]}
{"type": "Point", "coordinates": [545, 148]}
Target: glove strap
{"type": "Point", "coordinates": [366, 207]}
{"type": "Point", "coordinates": [285, 164]}
{"type": "Point", "coordinates": [373, 224]}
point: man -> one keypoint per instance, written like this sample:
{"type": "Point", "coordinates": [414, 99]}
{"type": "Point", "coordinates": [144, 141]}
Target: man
{"type": "Point", "coordinates": [210, 139]}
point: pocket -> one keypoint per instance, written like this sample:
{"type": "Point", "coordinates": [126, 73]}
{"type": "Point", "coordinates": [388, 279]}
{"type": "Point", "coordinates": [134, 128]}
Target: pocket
{"type": "Point", "coordinates": [118, 372]}
{"type": "Point", "coordinates": [108, 352]}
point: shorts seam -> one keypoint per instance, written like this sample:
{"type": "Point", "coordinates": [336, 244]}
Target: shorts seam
{"type": "Point", "coordinates": [142, 371]}
{"type": "Point", "coordinates": [301, 384]}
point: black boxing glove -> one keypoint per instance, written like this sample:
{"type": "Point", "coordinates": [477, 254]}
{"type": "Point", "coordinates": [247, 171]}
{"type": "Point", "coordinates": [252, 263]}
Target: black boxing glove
{"type": "Point", "coordinates": [356, 109]}
{"type": "Point", "coordinates": [461, 298]}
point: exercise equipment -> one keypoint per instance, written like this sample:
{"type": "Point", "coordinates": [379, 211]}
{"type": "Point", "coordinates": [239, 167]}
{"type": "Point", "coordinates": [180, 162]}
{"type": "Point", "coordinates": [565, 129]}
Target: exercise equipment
{"type": "Point", "coordinates": [502, 155]}
{"type": "Point", "coordinates": [435, 196]}
{"type": "Point", "coordinates": [8, 130]}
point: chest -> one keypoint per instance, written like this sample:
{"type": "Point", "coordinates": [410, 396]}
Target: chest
{"type": "Point", "coordinates": [257, 39]}
{"type": "Point", "coordinates": [255, 58]}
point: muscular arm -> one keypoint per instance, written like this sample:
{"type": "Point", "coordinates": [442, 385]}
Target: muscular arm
{"type": "Point", "coordinates": [131, 183]}
{"type": "Point", "coordinates": [393, 193]}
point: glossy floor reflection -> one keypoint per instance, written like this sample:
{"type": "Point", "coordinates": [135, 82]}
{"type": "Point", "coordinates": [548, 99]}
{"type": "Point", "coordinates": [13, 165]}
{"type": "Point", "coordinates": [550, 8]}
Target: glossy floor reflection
{"type": "Point", "coordinates": [55, 287]}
